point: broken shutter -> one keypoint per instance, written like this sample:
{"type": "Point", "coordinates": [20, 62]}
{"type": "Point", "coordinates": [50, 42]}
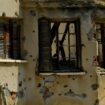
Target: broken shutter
{"type": "Point", "coordinates": [15, 40]}
{"type": "Point", "coordinates": [1, 40]}
{"type": "Point", "coordinates": [78, 44]}
{"type": "Point", "coordinates": [45, 63]}
{"type": "Point", "coordinates": [103, 43]}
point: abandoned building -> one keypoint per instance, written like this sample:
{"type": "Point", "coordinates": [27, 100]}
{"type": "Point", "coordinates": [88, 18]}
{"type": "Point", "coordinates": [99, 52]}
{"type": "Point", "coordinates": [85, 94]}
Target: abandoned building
{"type": "Point", "coordinates": [52, 52]}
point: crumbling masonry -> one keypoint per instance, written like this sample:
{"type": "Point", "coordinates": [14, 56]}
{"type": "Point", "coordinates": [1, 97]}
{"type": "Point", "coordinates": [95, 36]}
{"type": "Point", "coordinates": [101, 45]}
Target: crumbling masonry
{"type": "Point", "coordinates": [52, 52]}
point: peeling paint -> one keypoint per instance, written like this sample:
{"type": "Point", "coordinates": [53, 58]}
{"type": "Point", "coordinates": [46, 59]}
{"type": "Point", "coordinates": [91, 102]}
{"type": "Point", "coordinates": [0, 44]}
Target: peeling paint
{"type": "Point", "coordinates": [46, 93]}
{"type": "Point", "coordinates": [73, 94]}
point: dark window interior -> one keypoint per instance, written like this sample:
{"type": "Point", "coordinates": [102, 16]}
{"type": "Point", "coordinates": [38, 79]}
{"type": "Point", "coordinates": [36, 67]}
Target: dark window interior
{"type": "Point", "coordinates": [100, 36]}
{"type": "Point", "coordinates": [59, 46]}
{"type": "Point", "coordinates": [10, 39]}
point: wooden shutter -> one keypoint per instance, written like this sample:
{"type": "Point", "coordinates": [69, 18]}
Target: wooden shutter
{"type": "Point", "coordinates": [103, 43]}
{"type": "Point", "coordinates": [78, 44]}
{"type": "Point", "coordinates": [15, 40]}
{"type": "Point", "coordinates": [1, 40]}
{"type": "Point", "coordinates": [45, 62]}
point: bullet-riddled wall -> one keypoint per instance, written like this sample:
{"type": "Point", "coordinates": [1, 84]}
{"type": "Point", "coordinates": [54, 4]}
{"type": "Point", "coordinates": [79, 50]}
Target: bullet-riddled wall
{"type": "Point", "coordinates": [65, 88]}
{"type": "Point", "coordinates": [12, 71]}
{"type": "Point", "coordinates": [10, 8]}
{"type": "Point", "coordinates": [23, 76]}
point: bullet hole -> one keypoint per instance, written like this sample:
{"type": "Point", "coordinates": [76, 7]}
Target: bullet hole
{"type": "Point", "coordinates": [83, 45]}
{"type": "Point", "coordinates": [68, 76]}
{"type": "Point", "coordinates": [30, 55]}
{"type": "Point", "coordinates": [20, 0]}
{"type": "Point", "coordinates": [91, 76]}
{"type": "Point", "coordinates": [59, 94]}
{"type": "Point", "coordinates": [57, 82]}
{"type": "Point", "coordinates": [65, 86]}
{"type": "Point", "coordinates": [25, 88]}
{"type": "Point", "coordinates": [39, 85]}
{"type": "Point", "coordinates": [23, 38]}
{"type": "Point", "coordinates": [96, 102]}
{"type": "Point", "coordinates": [16, 14]}
{"type": "Point", "coordinates": [29, 78]}
{"type": "Point", "coordinates": [21, 94]}
{"type": "Point", "coordinates": [73, 78]}
{"type": "Point", "coordinates": [69, 92]}
{"type": "Point", "coordinates": [86, 72]}
{"type": "Point", "coordinates": [36, 72]}
{"type": "Point", "coordinates": [6, 84]}
{"type": "Point", "coordinates": [5, 63]}
{"type": "Point", "coordinates": [32, 12]}
{"type": "Point", "coordinates": [33, 59]}
{"type": "Point", "coordinates": [84, 95]}
{"type": "Point", "coordinates": [94, 86]}
{"type": "Point", "coordinates": [24, 79]}
{"type": "Point", "coordinates": [33, 31]}
{"type": "Point", "coordinates": [47, 93]}
{"type": "Point", "coordinates": [43, 78]}
{"type": "Point", "coordinates": [19, 73]}
{"type": "Point", "coordinates": [87, 59]}
{"type": "Point", "coordinates": [25, 52]}
{"type": "Point", "coordinates": [3, 87]}
{"type": "Point", "coordinates": [12, 74]}
{"type": "Point", "coordinates": [4, 14]}
{"type": "Point", "coordinates": [20, 83]}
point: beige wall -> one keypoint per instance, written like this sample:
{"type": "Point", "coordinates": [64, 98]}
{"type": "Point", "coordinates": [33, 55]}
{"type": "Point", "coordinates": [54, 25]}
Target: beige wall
{"type": "Point", "coordinates": [12, 72]}
{"type": "Point", "coordinates": [11, 8]}
{"type": "Point", "coordinates": [36, 89]}
{"type": "Point", "coordinates": [83, 87]}
{"type": "Point", "coordinates": [12, 78]}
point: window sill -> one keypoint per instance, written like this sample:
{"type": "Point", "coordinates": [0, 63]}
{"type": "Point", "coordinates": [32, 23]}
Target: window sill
{"type": "Point", "coordinates": [69, 73]}
{"type": "Point", "coordinates": [100, 71]}
{"type": "Point", "coordinates": [12, 61]}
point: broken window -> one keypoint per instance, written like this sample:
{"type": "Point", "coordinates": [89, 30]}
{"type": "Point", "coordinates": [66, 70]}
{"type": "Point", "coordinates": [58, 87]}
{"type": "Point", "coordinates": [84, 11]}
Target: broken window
{"type": "Point", "coordinates": [10, 39]}
{"type": "Point", "coordinates": [59, 46]}
{"type": "Point", "coordinates": [100, 36]}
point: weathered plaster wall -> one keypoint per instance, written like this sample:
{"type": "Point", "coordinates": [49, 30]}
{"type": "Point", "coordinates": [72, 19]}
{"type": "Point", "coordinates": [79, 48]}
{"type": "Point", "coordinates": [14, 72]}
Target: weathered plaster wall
{"type": "Point", "coordinates": [10, 8]}
{"type": "Point", "coordinates": [12, 78]}
{"type": "Point", "coordinates": [101, 89]}
{"type": "Point", "coordinates": [60, 89]}
{"type": "Point", "coordinates": [34, 88]}
{"type": "Point", "coordinates": [12, 73]}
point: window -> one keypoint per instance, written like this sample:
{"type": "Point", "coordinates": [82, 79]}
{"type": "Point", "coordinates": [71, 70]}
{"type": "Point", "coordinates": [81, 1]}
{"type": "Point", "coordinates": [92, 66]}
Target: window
{"type": "Point", "coordinates": [100, 36]}
{"type": "Point", "coordinates": [59, 46]}
{"type": "Point", "coordinates": [10, 39]}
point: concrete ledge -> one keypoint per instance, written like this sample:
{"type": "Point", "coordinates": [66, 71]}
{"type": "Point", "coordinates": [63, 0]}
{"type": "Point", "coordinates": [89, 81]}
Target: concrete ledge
{"type": "Point", "coordinates": [69, 73]}
{"type": "Point", "coordinates": [12, 61]}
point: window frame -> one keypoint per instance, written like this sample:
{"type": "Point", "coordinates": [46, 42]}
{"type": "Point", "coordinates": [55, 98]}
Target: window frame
{"type": "Point", "coordinates": [101, 42]}
{"type": "Point", "coordinates": [78, 45]}
{"type": "Point", "coordinates": [9, 23]}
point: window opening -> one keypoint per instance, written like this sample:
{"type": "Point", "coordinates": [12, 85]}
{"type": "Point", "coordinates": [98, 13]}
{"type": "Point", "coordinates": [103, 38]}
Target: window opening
{"type": "Point", "coordinates": [59, 46]}
{"type": "Point", "coordinates": [100, 36]}
{"type": "Point", "coordinates": [10, 39]}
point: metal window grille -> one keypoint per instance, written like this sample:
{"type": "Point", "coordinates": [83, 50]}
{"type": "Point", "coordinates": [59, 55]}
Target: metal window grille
{"type": "Point", "coordinates": [59, 46]}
